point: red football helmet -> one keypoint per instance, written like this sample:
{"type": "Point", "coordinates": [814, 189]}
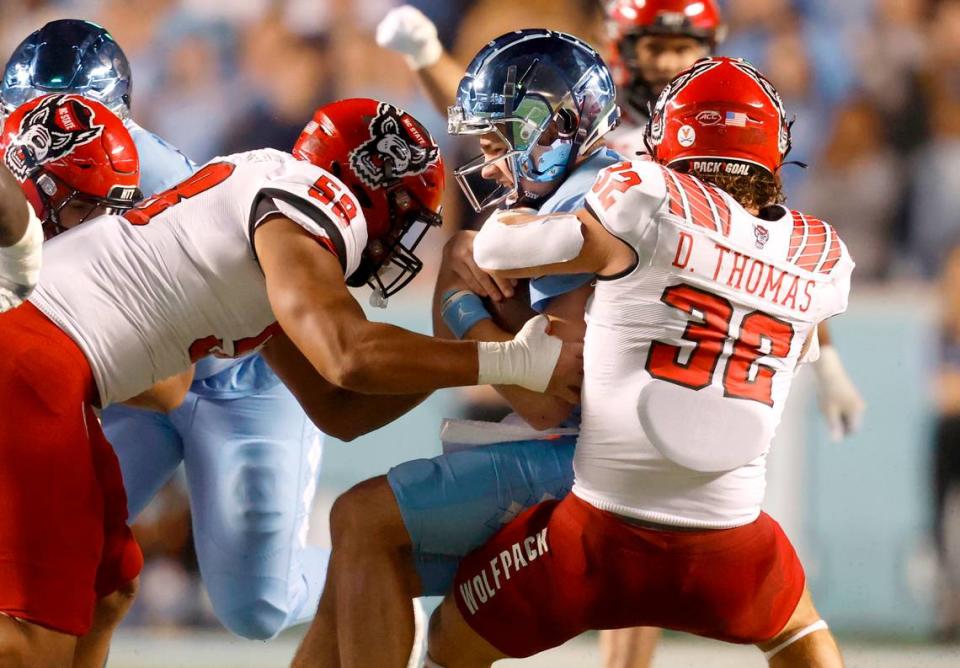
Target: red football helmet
{"type": "Point", "coordinates": [629, 20]}
{"type": "Point", "coordinates": [691, 18]}
{"type": "Point", "coordinates": [66, 148]}
{"type": "Point", "coordinates": [392, 165]}
{"type": "Point", "coordinates": [718, 116]}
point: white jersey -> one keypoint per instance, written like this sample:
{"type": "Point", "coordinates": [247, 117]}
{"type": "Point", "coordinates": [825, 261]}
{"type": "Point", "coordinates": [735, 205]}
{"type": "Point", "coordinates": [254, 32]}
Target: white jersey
{"type": "Point", "coordinates": [690, 355]}
{"type": "Point", "coordinates": [176, 279]}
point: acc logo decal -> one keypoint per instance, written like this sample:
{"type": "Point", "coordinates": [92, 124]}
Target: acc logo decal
{"type": "Point", "coordinates": [709, 117]}
{"type": "Point", "coordinates": [655, 128]}
{"type": "Point", "coordinates": [50, 132]}
{"type": "Point", "coordinates": [761, 236]}
{"type": "Point", "coordinates": [686, 135]}
{"type": "Point", "coordinates": [397, 147]}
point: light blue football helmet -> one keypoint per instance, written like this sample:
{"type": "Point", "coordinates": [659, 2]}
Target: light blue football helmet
{"type": "Point", "coordinates": [548, 96]}
{"type": "Point", "coordinates": [68, 56]}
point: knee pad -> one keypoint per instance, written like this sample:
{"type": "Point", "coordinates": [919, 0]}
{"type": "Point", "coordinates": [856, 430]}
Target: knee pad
{"type": "Point", "coordinates": [259, 497]}
{"type": "Point", "coordinates": [256, 619]}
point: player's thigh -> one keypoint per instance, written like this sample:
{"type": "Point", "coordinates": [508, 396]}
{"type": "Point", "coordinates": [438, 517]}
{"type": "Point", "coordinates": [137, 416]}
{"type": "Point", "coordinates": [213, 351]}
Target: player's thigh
{"type": "Point", "coordinates": [803, 616]}
{"type": "Point", "coordinates": [23, 644]}
{"type": "Point", "coordinates": [252, 464]}
{"type": "Point", "coordinates": [148, 448]}
{"type": "Point", "coordinates": [452, 642]}
{"type": "Point", "coordinates": [452, 503]}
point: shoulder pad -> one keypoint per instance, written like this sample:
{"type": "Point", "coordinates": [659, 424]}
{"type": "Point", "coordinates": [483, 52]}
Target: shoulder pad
{"type": "Point", "coordinates": [625, 197]}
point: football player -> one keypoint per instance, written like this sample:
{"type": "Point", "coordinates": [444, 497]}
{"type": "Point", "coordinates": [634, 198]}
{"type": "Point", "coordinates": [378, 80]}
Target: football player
{"type": "Point", "coordinates": [402, 535]}
{"type": "Point", "coordinates": [708, 297]}
{"type": "Point", "coordinates": [89, 168]}
{"type": "Point", "coordinates": [255, 250]}
{"type": "Point", "coordinates": [239, 432]}
{"type": "Point", "coordinates": [651, 41]}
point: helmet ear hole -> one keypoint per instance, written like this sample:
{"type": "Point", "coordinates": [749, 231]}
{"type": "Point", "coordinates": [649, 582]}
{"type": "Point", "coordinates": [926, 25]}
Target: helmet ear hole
{"type": "Point", "coordinates": [360, 193]}
{"type": "Point", "coordinates": [566, 122]}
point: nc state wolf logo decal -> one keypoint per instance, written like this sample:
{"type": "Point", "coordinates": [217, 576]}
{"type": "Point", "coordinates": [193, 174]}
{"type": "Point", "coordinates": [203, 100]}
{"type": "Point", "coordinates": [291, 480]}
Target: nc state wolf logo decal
{"type": "Point", "coordinates": [52, 130]}
{"type": "Point", "coordinates": [761, 236]}
{"type": "Point", "coordinates": [397, 147]}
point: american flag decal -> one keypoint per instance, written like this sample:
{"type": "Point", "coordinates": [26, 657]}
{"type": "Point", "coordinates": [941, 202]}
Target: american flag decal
{"type": "Point", "coordinates": [736, 119]}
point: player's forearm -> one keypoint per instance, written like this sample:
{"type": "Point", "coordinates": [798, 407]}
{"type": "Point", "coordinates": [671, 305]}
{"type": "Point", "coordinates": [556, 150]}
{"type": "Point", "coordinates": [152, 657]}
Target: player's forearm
{"type": "Point", "coordinates": [337, 412]}
{"type": "Point", "coordinates": [13, 210]}
{"type": "Point", "coordinates": [376, 358]}
{"type": "Point", "coordinates": [355, 414]}
{"type": "Point", "coordinates": [440, 81]}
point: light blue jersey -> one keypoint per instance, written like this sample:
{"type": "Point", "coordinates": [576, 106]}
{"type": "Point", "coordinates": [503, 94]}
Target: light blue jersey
{"type": "Point", "coordinates": [252, 461]}
{"type": "Point", "coordinates": [161, 165]}
{"type": "Point", "coordinates": [452, 504]}
{"type": "Point", "coordinates": [568, 198]}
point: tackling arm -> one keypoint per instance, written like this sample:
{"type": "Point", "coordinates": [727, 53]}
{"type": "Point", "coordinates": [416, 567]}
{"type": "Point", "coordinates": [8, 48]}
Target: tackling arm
{"type": "Point", "coordinates": [541, 411]}
{"type": "Point", "coordinates": [13, 210]}
{"type": "Point", "coordinates": [21, 239]}
{"type": "Point", "coordinates": [579, 244]}
{"type": "Point", "coordinates": [338, 412]}
{"type": "Point", "coordinates": [315, 309]}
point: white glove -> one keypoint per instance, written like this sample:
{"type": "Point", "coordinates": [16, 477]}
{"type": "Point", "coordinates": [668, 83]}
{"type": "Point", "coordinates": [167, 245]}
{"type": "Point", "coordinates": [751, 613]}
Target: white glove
{"type": "Point", "coordinates": [20, 265]}
{"type": "Point", "coordinates": [840, 402]}
{"type": "Point", "coordinates": [407, 31]}
{"type": "Point", "coordinates": [527, 361]}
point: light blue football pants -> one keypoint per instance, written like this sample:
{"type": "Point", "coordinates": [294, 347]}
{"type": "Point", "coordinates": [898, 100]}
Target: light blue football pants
{"type": "Point", "coordinates": [454, 503]}
{"type": "Point", "coordinates": [252, 466]}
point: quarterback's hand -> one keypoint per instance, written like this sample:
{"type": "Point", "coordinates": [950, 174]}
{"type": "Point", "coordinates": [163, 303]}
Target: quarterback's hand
{"type": "Point", "coordinates": [407, 31]}
{"type": "Point", "coordinates": [840, 402]}
{"type": "Point", "coordinates": [458, 257]}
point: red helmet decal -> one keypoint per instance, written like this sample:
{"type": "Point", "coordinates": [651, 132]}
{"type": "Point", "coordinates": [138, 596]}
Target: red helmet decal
{"type": "Point", "coordinates": [50, 132]}
{"type": "Point", "coordinates": [396, 148]}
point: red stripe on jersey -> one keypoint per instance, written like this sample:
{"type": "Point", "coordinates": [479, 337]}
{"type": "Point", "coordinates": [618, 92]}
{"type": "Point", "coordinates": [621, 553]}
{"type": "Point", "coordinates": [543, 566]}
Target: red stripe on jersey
{"type": "Point", "coordinates": [700, 211]}
{"type": "Point", "coordinates": [816, 242]}
{"type": "Point", "coordinates": [676, 203]}
{"type": "Point", "coordinates": [796, 238]}
{"type": "Point", "coordinates": [723, 209]}
{"type": "Point", "coordinates": [833, 256]}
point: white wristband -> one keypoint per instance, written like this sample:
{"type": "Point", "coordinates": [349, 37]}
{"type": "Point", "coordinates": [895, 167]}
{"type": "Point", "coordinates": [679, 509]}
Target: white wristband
{"type": "Point", "coordinates": [528, 360]}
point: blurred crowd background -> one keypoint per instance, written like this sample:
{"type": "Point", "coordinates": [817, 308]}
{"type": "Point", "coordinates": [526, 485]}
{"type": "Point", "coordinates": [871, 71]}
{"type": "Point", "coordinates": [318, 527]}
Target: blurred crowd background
{"type": "Point", "coordinates": [874, 84]}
